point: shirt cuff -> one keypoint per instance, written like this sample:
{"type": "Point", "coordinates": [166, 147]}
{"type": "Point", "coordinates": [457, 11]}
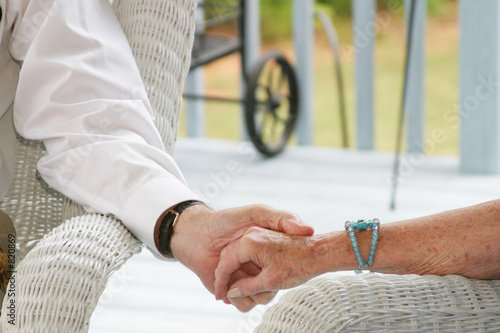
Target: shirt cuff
{"type": "Point", "coordinates": [148, 202]}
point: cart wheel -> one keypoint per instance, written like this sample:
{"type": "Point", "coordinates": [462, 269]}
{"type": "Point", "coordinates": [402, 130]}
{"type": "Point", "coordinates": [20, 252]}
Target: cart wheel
{"type": "Point", "coordinates": [271, 103]}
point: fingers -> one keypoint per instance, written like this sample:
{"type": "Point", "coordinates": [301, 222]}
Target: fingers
{"type": "Point", "coordinates": [239, 270]}
{"type": "Point", "coordinates": [230, 262]}
{"type": "Point", "coordinates": [245, 304]}
{"type": "Point", "coordinates": [252, 286]}
{"type": "Point", "coordinates": [297, 227]}
{"type": "Point", "coordinates": [255, 254]}
{"type": "Point", "coordinates": [248, 286]}
{"type": "Point", "coordinates": [280, 220]}
{"type": "Point", "coordinates": [264, 297]}
{"type": "Point", "coordinates": [248, 270]}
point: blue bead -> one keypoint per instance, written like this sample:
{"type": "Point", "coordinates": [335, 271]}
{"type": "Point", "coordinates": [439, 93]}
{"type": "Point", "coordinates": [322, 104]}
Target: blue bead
{"type": "Point", "coordinates": [348, 225]}
{"type": "Point", "coordinates": [363, 225]}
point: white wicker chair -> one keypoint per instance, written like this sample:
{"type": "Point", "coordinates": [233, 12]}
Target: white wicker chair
{"type": "Point", "coordinates": [66, 255]}
{"type": "Point", "coordinates": [387, 303]}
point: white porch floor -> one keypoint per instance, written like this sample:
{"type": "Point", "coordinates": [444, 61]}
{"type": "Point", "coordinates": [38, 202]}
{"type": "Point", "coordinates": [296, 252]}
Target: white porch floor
{"type": "Point", "coordinates": [324, 186]}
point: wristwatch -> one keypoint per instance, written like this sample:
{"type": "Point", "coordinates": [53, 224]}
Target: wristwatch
{"type": "Point", "coordinates": [168, 223]}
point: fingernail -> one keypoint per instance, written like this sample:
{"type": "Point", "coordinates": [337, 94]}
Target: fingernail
{"type": "Point", "coordinates": [233, 293]}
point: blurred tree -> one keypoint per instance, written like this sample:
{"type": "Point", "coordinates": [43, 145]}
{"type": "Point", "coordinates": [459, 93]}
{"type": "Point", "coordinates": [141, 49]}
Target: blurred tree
{"type": "Point", "coordinates": [276, 15]}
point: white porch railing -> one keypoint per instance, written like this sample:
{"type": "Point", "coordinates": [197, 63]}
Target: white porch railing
{"type": "Point", "coordinates": [479, 102]}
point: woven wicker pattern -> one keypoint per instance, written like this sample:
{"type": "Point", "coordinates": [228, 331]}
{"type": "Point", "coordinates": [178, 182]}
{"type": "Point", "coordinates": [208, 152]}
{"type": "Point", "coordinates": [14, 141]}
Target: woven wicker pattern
{"type": "Point", "coordinates": [161, 34]}
{"type": "Point", "coordinates": [390, 303]}
{"type": "Point", "coordinates": [65, 269]}
{"type": "Point", "coordinates": [60, 280]}
{"type": "Point", "coordinates": [35, 209]}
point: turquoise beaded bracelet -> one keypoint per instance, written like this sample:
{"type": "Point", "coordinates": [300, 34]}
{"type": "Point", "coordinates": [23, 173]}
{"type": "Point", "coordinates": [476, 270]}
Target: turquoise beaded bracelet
{"type": "Point", "coordinates": [351, 226]}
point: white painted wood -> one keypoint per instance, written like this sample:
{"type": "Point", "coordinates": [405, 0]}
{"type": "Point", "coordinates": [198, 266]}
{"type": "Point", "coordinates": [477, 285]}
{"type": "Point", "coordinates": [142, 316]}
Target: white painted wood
{"type": "Point", "coordinates": [195, 108]}
{"type": "Point", "coordinates": [252, 42]}
{"type": "Point", "coordinates": [365, 29]}
{"type": "Point", "coordinates": [479, 94]}
{"type": "Point", "coordinates": [303, 34]}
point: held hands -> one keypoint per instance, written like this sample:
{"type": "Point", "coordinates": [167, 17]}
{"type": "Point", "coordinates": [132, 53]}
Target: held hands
{"type": "Point", "coordinates": [282, 261]}
{"type": "Point", "coordinates": [201, 235]}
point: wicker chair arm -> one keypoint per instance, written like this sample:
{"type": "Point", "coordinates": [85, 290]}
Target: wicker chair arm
{"type": "Point", "coordinates": [60, 279]}
{"type": "Point", "coordinates": [394, 303]}
{"type": "Point", "coordinates": [59, 282]}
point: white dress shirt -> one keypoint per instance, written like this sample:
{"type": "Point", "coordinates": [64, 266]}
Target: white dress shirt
{"type": "Point", "coordinates": [79, 90]}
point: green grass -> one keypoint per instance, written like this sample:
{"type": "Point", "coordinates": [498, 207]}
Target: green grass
{"type": "Point", "coordinates": [441, 85]}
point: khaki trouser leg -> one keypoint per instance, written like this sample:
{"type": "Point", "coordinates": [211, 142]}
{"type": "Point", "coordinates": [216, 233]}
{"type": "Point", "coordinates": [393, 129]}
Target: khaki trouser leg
{"type": "Point", "coordinates": [7, 252]}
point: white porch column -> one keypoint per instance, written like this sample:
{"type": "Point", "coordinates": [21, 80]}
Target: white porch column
{"type": "Point", "coordinates": [303, 34]}
{"type": "Point", "coordinates": [195, 108]}
{"type": "Point", "coordinates": [252, 42]}
{"type": "Point", "coordinates": [365, 29]}
{"type": "Point", "coordinates": [479, 93]}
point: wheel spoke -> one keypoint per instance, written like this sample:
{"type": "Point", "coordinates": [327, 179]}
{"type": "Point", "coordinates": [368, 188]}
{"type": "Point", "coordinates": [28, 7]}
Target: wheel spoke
{"type": "Point", "coordinates": [282, 80]}
{"type": "Point", "coordinates": [264, 127]}
{"type": "Point", "coordinates": [284, 116]}
{"type": "Point", "coordinates": [261, 106]}
{"type": "Point", "coordinates": [270, 78]}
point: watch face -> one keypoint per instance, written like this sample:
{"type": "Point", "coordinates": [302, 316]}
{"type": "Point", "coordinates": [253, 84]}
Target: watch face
{"type": "Point", "coordinates": [7, 253]}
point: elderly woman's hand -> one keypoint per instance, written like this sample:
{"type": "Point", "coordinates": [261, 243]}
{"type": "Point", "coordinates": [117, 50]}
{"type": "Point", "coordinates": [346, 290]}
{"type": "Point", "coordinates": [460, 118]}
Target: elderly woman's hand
{"type": "Point", "coordinates": [279, 261]}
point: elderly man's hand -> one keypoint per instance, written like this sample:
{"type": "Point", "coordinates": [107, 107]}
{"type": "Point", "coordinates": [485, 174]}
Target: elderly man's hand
{"type": "Point", "coordinates": [201, 235]}
{"type": "Point", "coordinates": [282, 261]}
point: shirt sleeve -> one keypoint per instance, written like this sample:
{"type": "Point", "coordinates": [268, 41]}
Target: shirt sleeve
{"type": "Point", "coordinates": [80, 92]}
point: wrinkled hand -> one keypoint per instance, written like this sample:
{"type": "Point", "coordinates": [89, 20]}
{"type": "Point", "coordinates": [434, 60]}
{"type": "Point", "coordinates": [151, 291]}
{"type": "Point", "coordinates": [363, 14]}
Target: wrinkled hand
{"type": "Point", "coordinates": [201, 235]}
{"type": "Point", "coordinates": [282, 262]}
